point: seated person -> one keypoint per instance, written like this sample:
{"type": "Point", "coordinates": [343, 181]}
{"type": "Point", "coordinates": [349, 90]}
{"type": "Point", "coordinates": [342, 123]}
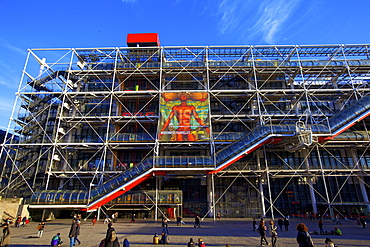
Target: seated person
{"type": "Point", "coordinates": [201, 243]}
{"type": "Point", "coordinates": [191, 243]}
{"type": "Point", "coordinates": [56, 240]}
{"type": "Point", "coordinates": [165, 239]}
{"type": "Point", "coordinates": [156, 239]}
{"type": "Point", "coordinates": [329, 243]}
{"type": "Point", "coordinates": [337, 231]}
{"type": "Point", "coordinates": [126, 243]}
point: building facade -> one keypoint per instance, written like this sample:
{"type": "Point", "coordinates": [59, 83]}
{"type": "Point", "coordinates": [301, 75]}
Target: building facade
{"type": "Point", "coordinates": [236, 131]}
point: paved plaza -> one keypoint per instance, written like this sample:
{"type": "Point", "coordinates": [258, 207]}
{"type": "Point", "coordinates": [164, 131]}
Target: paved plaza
{"type": "Point", "coordinates": [236, 232]}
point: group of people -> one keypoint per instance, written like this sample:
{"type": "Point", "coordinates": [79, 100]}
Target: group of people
{"type": "Point", "coordinates": [262, 228]}
{"type": "Point", "coordinates": [200, 243]}
{"type": "Point", "coordinates": [303, 236]}
{"type": "Point", "coordinates": [163, 240]}
{"type": "Point", "coordinates": [164, 235]}
{"type": "Point", "coordinates": [111, 240]}
{"type": "Point", "coordinates": [21, 221]}
{"type": "Point", "coordinates": [281, 222]}
{"type": "Point", "coordinates": [6, 233]}
{"type": "Point", "coordinates": [336, 230]}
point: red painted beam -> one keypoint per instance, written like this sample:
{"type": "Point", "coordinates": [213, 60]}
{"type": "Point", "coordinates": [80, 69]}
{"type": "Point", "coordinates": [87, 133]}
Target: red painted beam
{"type": "Point", "coordinates": [224, 166]}
{"type": "Point", "coordinates": [324, 139]}
{"type": "Point", "coordinates": [118, 193]}
{"type": "Point", "coordinates": [275, 140]}
{"type": "Point", "coordinates": [160, 173]}
{"type": "Point", "coordinates": [268, 141]}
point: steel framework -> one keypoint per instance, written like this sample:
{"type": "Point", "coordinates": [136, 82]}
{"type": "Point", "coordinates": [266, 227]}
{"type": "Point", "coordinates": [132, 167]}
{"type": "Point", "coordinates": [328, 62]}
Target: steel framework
{"type": "Point", "coordinates": [282, 128]}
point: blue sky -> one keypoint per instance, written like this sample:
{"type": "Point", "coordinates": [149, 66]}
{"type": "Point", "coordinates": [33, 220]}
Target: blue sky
{"type": "Point", "coordinates": [97, 23]}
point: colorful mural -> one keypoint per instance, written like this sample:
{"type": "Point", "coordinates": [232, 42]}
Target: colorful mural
{"type": "Point", "coordinates": [184, 117]}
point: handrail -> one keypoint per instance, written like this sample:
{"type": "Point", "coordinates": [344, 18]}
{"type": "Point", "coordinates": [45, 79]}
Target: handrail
{"type": "Point", "coordinates": [231, 63]}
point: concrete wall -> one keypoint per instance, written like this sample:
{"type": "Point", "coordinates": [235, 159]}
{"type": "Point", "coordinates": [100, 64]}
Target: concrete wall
{"type": "Point", "coordinates": [12, 207]}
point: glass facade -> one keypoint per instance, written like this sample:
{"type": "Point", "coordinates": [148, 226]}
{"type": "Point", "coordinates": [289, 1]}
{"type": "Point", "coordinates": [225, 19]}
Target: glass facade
{"type": "Point", "coordinates": [242, 131]}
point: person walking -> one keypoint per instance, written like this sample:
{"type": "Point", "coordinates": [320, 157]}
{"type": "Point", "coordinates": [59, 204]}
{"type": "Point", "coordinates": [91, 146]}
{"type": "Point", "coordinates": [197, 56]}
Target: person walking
{"type": "Point", "coordinates": [5, 240]}
{"type": "Point", "coordinates": [254, 224]}
{"type": "Point", "coordinates": [93, 221]}
{"type": "Point", "coordinates": [73, 233]}
{"type": "Point", "coordinates": [362, 222]}
{"type": "Point", "coordinates": [113, 217]}
{"type": "Point", "coordinates": [197, 222]}
{"type": "Point", "coordinates": [321, 224]}
{"type": "Point", "coordinates": [41, 228]}
{"type": "Point", "coordinates": [179, 220]}
{"type": "Point", "coordinates": [273, 233]}
{"type": "Point", "coordinates": [165, 226]}
{"type": "Point", "coordinates": [338, 220]}
{"type": "Point", "coordinates": [281, 223]}
{"type": "Point", "coordinates": [78, 227]}
{"type": "Point", "coordinates": [262, 231]}
{"type": "Point", "coordinates": [111, 239]}
{"type": "Point", "coordinates": [286, 224]}
{"type": "Point", "coordinates": [303, 237]}
{"type": "Point", "coordinates": [133, 220]}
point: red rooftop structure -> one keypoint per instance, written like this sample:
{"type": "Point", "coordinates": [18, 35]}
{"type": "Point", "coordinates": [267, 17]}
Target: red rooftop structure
{"type": "Point", "coordinates": [142, 39]}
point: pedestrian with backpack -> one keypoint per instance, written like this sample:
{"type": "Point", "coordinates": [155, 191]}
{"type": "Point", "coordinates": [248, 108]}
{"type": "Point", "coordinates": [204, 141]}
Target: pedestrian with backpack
{"type": "Point", "coordinates": [111, 239]}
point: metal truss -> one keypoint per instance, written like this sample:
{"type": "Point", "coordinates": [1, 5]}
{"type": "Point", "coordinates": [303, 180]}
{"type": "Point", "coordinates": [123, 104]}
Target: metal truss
{"type": "Point", "coordinates": [84, 116]}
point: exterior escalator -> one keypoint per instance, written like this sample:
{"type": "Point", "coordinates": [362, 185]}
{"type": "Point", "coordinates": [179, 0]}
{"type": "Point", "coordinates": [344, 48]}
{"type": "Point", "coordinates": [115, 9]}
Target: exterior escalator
{"type": "Point", "coordinates": [128, 179]}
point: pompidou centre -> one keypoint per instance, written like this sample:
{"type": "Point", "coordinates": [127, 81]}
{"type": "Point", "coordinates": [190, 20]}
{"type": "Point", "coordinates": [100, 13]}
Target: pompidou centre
{"type": "Point", "coordinates": [236, 131]}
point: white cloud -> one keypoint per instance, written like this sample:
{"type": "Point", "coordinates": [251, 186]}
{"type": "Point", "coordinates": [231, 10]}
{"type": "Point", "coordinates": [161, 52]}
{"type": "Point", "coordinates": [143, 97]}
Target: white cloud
{"type": "Point", "coordinates": [232, 14]}
{"type": "Point", "coordinates": [12, 48]}
{"type": "Point", "coordinates": [273, 15]}
{"type": "Point", "coordinates": [6, 105]}
{"type": "Point", "coordinates": [128, 1]}
{"type": "Point", "coordinates": [8, 77]}
{"type": "Point", "coordinates": [256, 19]}
{"type": "Point", "coordinates": [11, 60]}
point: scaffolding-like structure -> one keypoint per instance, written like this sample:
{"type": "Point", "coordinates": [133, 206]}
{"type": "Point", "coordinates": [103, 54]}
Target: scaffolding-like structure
{"type": "Point", "coordinates": [240, 131]}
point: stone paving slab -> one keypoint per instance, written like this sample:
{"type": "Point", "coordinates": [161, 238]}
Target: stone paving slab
{"type": "Point", "coordinates": [236, 232]}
